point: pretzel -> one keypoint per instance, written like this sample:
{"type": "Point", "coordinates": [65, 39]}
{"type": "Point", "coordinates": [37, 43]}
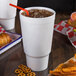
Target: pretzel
{"type": "Point", "coordinates": [21, 74]}
{"type": "Point", "coordinates": [23, 70]}
{"type": "Point", "coordinates": [31, 74]}
{"type": "Point", "coordinates": [26, 70]}
{"type": "Point", "coordinates": [22, 66]}
{"type": "Point", "coordinates": [18, 71]}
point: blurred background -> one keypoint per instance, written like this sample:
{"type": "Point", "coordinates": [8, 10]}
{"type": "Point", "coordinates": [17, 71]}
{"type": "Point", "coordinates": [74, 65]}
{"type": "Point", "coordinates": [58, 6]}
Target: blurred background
{"type": "Point", "coordinates": [58, 5]}
{"type": "Point", "coordinates": [63, 8]}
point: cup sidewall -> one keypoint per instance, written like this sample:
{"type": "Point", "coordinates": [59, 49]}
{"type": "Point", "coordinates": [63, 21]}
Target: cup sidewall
{"type": "Point", "coordinates": [8, 24]}
{"type": "Point", "coordinates": [37, 25]}
{"type": "Point", "coordinates": [7, 11]}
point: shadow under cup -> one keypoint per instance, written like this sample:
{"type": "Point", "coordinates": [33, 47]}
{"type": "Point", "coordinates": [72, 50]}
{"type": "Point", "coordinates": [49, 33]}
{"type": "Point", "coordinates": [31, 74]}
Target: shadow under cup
{"type": "Point", "coordinates": [37, 39]}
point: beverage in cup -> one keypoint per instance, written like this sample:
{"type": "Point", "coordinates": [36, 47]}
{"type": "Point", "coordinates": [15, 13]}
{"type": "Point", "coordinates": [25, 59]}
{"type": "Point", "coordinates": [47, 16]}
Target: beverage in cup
{"type": "Point", "coordinates": [7, 14]}
{"type": "Point", "coordinates": [37, 32]}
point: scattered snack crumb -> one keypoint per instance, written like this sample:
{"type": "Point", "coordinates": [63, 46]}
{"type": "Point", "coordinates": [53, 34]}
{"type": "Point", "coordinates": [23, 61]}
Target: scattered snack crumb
{"type": "Point", "coordinates": [24, 71]}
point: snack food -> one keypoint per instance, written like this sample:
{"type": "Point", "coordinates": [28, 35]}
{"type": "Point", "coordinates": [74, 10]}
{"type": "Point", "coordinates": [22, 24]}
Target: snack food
{"type": "Point", "coordinates": [73, 16]}
{"type": "Point", "coordinates": [21, 74]}
{"type": "Point", "coordinates": [23, 70]}
{"type": "Point", "coordinates": [22, 66]}
{"type": "Point", "coordinates": [18, 71]}
{"type": "Point", "coordinates": [37, 13]}
{"type": "Point", "coordinates": [72, 20]}
{"type": "Point", "coordinates": [72, 23]}
{"type": "Point", "coordinates": [4, 39]}
{"type": "Point", "coordinates": [31, 74]}
{"type": "Point", "coordinates": [26, 70]}
{"type": "Point", "coordinates": [65, 69]}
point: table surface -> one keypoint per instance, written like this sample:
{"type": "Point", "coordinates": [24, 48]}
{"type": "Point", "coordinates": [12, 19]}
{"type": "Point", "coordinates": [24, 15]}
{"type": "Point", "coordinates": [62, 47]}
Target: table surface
{"type": "Point", "coordinates": [61, 51]}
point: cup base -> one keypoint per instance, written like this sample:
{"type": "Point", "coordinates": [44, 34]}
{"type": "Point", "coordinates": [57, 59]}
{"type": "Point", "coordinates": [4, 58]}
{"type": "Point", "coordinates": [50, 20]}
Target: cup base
{"type": "Point", "coordinates": [8, 24]}
{"type": "Point", "coordinates": [37, 63]}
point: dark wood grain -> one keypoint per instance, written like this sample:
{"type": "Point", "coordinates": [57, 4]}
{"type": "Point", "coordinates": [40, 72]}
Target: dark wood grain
{"type": "Point", "coordinates": [61, 51]}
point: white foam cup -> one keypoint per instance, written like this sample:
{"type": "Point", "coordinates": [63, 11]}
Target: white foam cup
{"type": "Point", "coordinates": [37, 63]}
{"type": "Point", "coordinates": [8, 24]}
{"type": "Point", "coordinates": [7, 14]}
{"type": "Point", "coordinates": [37, 39]}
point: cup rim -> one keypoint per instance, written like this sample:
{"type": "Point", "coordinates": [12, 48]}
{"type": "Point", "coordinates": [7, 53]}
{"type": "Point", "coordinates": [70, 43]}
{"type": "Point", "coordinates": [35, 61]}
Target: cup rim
{"type": "Point", "coordinates": [38, 7]}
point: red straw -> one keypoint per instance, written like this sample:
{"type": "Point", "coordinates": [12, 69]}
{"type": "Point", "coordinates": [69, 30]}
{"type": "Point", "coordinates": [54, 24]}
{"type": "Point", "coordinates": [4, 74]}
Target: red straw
{"type": "Point", "coordinates": [20, 8]}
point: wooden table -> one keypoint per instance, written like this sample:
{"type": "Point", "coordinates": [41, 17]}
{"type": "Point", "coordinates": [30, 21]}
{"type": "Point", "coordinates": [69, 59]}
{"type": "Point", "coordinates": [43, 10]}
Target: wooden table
{"type": "Point", "coordinates": [61, 51]}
